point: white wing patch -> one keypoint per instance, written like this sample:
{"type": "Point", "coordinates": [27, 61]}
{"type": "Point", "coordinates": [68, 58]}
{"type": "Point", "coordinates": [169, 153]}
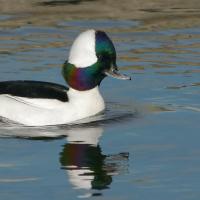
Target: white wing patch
{"type": "Point", "coordinates": [37, 102]}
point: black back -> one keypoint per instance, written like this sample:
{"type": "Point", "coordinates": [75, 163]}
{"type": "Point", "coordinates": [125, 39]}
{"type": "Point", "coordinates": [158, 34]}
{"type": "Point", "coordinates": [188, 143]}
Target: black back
{"type": "Point", "coordinates": [34, 89]}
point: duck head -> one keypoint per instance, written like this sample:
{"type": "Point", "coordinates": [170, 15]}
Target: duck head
{"type": "Point", "coordinates": [92, 57]}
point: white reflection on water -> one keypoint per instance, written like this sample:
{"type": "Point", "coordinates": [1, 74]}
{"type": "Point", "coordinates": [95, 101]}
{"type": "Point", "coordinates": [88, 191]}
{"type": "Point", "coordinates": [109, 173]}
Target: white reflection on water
{"type": "Point", "coordinates": [88, 169]}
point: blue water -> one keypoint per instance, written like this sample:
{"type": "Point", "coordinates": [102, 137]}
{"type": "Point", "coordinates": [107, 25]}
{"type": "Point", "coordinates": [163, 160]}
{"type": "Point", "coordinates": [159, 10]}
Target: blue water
{"type": "Point", "coordinates": [146, 144]}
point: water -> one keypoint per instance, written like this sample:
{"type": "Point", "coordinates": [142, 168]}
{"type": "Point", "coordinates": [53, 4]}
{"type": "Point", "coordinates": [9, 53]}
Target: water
{"type": "Point", "coordinates": [146, 144]}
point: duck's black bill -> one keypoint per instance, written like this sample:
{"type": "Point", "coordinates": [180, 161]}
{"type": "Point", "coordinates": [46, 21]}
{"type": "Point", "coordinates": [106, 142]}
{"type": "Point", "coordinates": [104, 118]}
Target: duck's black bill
{"type": "Point", "coordinates": [115, 74]}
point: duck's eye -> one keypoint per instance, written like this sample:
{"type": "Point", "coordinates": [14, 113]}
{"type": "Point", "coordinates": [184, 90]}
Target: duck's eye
{"type": "Point", "coordinates": [103, 57]}
{"type": "Point", "coordinates": [100, 57]}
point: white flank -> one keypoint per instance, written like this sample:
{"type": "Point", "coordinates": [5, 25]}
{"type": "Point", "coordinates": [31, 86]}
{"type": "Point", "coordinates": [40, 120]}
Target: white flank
{"type": "Point", "coordinates": [40, 112]}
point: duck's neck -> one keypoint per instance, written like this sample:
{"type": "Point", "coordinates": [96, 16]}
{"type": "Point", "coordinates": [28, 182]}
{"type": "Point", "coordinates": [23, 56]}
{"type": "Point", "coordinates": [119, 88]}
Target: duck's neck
{"type": "Point", "coordinates": [89, 101]}
{"type": "Point", "coordinates": [85, 93]}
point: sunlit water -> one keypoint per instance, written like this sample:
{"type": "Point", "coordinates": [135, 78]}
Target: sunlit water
{"type": "Point", "coordinates": [145, 145]}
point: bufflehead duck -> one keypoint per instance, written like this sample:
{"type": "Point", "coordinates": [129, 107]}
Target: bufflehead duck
{"type": "Point", "coordinates": [92, 57]}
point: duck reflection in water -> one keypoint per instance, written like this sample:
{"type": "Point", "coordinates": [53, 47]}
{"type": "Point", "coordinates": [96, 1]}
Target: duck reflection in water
{"type": "Point", "coordinates": [87, 167]}
{"type": "Point", "coordinates": [82, 158]}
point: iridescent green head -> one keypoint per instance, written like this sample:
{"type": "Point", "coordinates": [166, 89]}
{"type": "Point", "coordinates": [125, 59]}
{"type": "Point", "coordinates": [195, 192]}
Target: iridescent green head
{"type": "Point", "coordinates": [92, 57]}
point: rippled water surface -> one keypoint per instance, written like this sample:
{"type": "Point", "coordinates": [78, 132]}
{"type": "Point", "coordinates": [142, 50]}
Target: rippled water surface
{"type": "Point", "coordinates": [145, 145]}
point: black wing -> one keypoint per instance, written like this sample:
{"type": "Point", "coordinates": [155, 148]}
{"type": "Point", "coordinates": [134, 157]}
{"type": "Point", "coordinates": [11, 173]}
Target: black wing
{"type": "Point", "coordinates": [34, 89]}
